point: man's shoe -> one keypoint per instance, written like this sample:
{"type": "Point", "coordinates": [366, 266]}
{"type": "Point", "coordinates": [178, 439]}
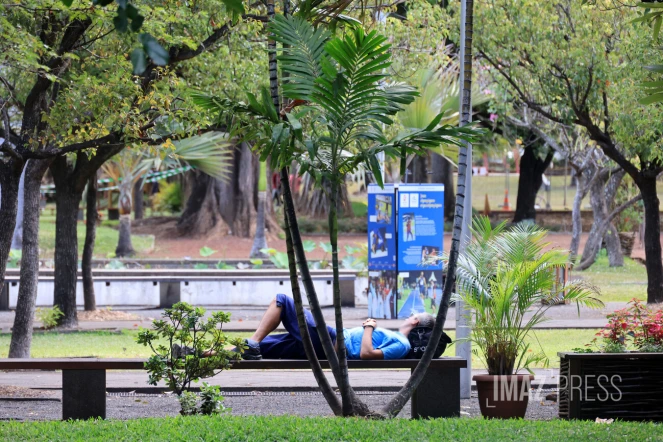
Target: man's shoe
{"type": "Point", "coordinates": [252, 352]}
{"type": "Point", "coordinates": [180, 352]}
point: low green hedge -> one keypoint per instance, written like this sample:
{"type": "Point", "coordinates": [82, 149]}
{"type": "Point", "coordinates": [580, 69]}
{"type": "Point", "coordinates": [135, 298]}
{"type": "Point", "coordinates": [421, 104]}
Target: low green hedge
{"type": "Point", "coordinates": [289, 428]}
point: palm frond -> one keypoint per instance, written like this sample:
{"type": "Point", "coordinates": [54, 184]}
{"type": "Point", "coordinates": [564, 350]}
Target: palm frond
{"type": "Point", "coordinates": [210, 152]}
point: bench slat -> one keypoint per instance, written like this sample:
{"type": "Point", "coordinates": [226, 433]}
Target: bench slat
{"type": "Point", "coordinates": [266, 364]}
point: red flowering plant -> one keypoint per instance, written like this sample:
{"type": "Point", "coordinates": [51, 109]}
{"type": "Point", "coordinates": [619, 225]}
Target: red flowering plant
{"type": "Point", "coordinates": [638, 327]}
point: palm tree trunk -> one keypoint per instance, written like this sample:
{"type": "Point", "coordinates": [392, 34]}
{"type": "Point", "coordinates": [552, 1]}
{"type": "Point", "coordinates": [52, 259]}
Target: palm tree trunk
{"type": "Point", "coordinates": [319, 375]}
{"type": "Point", "coordinates": [397, 403]}
{"type": "Point", "coordinates": [340, 339]}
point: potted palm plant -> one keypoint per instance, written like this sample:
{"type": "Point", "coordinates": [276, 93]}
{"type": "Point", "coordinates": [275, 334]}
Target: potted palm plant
{"type": "Point", "coordinates": [506, 277]}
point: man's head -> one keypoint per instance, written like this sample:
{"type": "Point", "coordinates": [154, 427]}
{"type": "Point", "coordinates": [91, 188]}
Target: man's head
{"type": "Point", "coordinates": [417, 320]}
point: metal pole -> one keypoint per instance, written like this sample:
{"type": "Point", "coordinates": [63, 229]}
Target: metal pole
{"type": "Point", "coordinates": [464, 349]}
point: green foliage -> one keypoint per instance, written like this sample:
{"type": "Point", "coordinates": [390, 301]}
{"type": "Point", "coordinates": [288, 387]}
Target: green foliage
{"type": "Point", "coordinates": [206, 251]}
{"type": "Point", "coordinates": [14, 260]}
{"type": "Point", "coordinates": [201, 266]}
{"type": "Point", "coordinates": [49, 316]}
{"type": "Point", "coordinates": [324, 429]}
{"type": "Point", "coordinates": [169, 198]}
{"type": "Point", "coordinates": [279, 259]}
{"type": "Point", "coordinates": [505, 275]}
{"type": "Point", "coordinates": [188, 403]}
{"type": "Point", "coordinates": [185, 325]}
{"type": "Point", "coordinates": [561, 60]}
{"type": "Point", "coordinates": [356, 258]}
{"type": "Point", "coordinates": [257, 263]}
{"type": "Point", "coordinates": [223, 266]}
{"type": "Point", "coordinates": [115, 264]}
{"type": "Point", "coordinates": [211, 402]}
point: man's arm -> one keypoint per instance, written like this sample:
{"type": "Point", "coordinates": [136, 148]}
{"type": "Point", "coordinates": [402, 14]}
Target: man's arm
{"type": "Point", "coordinates": [367, 351]}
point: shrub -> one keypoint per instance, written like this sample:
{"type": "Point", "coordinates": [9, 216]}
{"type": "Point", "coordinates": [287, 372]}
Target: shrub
{"type": "Point", "coordinates": [636, 327]}
{"type": "Point", "coordinates": [169, 198]}
{"type": "Point", "coordinates": [49, 316]}
{"type": "Point", "coordinates": [185, 326]}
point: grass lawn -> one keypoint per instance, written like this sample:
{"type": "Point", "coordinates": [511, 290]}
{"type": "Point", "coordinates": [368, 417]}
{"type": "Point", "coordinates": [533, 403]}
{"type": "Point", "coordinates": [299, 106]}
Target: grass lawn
{"type": "Point", "coordinates": [105, 243]}
{"type": "Point", "coordinates": [104, 344]}
{"type": "Point", "coordinates": [290, 428]}
{"type": "Point", "coordinates": [617, 284]}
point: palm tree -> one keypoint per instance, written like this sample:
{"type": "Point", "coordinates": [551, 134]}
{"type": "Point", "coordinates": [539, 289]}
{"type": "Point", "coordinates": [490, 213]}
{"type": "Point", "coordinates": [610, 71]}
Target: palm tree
{"type": "Point", "coordinates": [341, 100]}
{"type": "Point", "coordinates": [209, 152]}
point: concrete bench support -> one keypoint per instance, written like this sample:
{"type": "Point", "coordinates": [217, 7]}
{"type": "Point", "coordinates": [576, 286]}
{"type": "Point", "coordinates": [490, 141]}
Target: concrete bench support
{"type": "Point", "coordinates": [83, 394]}
{"type": "Point", "coordinates": [438, 395]}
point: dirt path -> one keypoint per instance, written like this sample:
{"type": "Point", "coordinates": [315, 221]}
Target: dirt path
{"type": "Point", "coordinates": [168, 245]}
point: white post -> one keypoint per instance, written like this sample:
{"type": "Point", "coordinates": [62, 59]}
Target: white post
{"type": "Point", "coordinates": [464, 349]}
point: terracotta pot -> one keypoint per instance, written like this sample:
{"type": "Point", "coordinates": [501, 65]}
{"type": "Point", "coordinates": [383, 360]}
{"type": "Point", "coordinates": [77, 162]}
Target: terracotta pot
{"type": "Point", "coordinates": [503, 397]}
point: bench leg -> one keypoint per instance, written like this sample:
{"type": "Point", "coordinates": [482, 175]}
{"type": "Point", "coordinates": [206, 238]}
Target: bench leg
{"type": "Point", "coordinates": [438, 395]}
{"type": "Point", "coordinates": [83, 394]}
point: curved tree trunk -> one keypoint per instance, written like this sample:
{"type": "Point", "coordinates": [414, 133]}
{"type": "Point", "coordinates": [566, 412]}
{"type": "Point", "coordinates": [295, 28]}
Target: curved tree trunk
{"type": "Point", "coordinates": [91, 218]}
{"type": "Point", "coordinates": [653, 260]}
{"type": "Point", "coordinates": [529, 183]}
{"type": "Point", "coordinates": [583, 179]}
{"type": "Point", "coordinates": [10, 175]}
{"type": "Point", "coordinates": [600, 225]}
{"type": "Point", "coordinates": [443, 172]}
{"type": "Point", "coordinates": [21, 339]}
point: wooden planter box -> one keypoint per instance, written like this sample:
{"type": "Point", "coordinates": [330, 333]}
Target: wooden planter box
{"type": "Point", "coordinates": [626, 386]}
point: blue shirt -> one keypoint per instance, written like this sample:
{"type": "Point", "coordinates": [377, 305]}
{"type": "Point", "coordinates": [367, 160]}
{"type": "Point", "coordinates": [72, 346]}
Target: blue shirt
{"type": "Point", "coordinates": [393, 344]}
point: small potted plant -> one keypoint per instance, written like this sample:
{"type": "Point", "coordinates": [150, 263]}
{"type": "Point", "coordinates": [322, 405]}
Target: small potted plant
{"type": "Point", "coordinates": [506, 278]}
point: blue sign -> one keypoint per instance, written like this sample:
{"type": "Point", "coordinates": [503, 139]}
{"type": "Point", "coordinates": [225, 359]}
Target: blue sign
{"type": "Point", "coordinates": [420, 225]}
{"type": "Point", "coordinates": [381, 228]}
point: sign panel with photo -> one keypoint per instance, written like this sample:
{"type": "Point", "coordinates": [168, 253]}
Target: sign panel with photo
{"type": "Point", "coordinates": [381, 228]}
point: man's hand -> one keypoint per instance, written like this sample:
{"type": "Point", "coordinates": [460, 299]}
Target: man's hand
{"type": "Point", "coordinates": [367, 351]}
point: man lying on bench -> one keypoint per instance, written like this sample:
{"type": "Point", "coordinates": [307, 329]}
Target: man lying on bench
{"type": "Point", "coordinates": [366, 342]}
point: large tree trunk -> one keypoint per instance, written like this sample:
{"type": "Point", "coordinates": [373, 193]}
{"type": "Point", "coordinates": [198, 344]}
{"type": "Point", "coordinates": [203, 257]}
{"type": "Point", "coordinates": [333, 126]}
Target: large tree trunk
{"type": "Point", "coordinates": [613, 245]}
{"type": "Point", "coordinates": [597, 199]}
{"type": "Point", "coordinates": [91, 218]}
{"type": "Point", "coordinates": [201, 214]}
{"type": "Point", "coordinates": [418, 170]}
{"type": "Point", "coordinates": [314, 201]}
{"type": "Point", "coordinates": [230, 206]}
{"type": "Point", "coordinates": [124, 246]}
{"type": "Point", "coordinates": [17, 239]}
{"type": "Point", "coordinates": [21, 339]}
{"type": "Point", "coordinates": [10, 175]}
{"type": "Point", "coordinates": [653, 262]}
{"type": "Point", "coordinates": [67, 201]}
{"type": "Point", "coordinates": [584, 178]}
{"type": "Point", "coordinates": [443, 173]}
{"type": "Point", "coordinates": [529, 183]}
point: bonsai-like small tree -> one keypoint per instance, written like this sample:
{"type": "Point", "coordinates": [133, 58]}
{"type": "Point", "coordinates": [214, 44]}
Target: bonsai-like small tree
{"type": "Point", "coordinates": [185, 326]}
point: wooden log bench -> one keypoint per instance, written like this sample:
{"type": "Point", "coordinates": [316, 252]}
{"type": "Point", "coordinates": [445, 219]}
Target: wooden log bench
{"type": "Point", "coordinates": [84, 381]}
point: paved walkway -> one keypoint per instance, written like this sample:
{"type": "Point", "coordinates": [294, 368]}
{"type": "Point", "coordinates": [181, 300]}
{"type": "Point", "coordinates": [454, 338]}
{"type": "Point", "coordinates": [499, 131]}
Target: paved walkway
{"type": "Point", "coordinates": [245, 319]}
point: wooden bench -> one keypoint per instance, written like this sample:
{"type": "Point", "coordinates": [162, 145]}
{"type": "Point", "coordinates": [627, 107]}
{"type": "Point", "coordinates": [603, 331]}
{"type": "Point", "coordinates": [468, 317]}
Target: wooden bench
{"type": "Point", "coordinates": [84, 381]}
